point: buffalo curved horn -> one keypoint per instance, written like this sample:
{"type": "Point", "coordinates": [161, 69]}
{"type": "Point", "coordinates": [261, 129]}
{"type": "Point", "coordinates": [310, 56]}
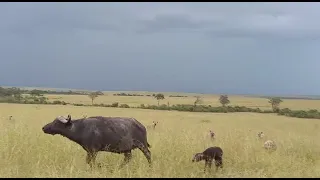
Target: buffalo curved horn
{"type": "Point", "coordinates": [62, 119]}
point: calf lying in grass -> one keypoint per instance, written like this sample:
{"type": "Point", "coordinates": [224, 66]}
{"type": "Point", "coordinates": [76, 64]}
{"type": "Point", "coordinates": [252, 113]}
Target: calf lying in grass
{"type": "Point", "coordinates": [210, 154]}
{"type": "Point", "coordinates": [270, 145]}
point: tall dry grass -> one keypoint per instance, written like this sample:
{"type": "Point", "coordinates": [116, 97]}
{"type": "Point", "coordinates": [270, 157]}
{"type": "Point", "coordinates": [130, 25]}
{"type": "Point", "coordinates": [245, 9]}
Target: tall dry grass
{"type": "Point", "coordinates": [27, 152]}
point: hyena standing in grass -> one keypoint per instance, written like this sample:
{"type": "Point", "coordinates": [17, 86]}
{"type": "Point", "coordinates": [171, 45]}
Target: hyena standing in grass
{"type": "Point", "coordinates": [260, 135]}
{"type": "Point", "coordinates": [153, 125]}
{"type": "Point", "coordinates": [212, 135]}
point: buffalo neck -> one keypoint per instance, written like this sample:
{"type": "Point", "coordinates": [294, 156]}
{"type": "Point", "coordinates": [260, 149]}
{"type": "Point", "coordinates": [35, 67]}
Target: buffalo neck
{"type": "Point", "coordinates": [73, 132]}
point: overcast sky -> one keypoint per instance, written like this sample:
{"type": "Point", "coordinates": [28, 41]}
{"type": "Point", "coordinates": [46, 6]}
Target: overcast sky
{"type": "Point", "coordinates": [233, 48]}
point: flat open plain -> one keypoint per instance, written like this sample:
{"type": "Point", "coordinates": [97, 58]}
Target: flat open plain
{"type": "Point", "coordinates": [27, 152]}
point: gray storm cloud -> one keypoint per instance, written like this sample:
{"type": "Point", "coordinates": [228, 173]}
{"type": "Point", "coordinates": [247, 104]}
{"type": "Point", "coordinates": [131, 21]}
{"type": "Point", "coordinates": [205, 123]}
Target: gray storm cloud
{"type": "Point", "coordinates": [251, 48]}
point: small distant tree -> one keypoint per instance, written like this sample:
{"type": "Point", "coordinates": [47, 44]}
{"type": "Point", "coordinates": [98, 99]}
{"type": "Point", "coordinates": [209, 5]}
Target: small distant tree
{"type": "Point", "coordinates": [224, 100]}
{"type": "Point", "coordinates": [35, 93]}
{"type": "Point", "coordinates": [43, 100]}
{"type": "Point", "coordinates": [159, 97]}
{"type": "Point", "coordinates": [17, 93]}
{"type": "Point", "coordinates": [197, 101]}
{"type": "Point", "coordinates": [18, 97]}
{"type": "Point", "coordinates": [275, 103]}
{"type": "Point", "coordinates": [93, 96]}
{"type": "Point", "coordinates": [100, 93]}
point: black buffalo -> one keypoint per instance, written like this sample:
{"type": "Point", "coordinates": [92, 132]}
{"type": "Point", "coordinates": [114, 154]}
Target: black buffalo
{"type": "Point", "coordinates": [210, 154]}
{"type": "Point", "coordinates": [110, 134]}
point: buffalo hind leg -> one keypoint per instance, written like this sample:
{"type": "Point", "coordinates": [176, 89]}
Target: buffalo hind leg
{"type": "Point", "coordinates": [91, 158]}
{"type": "Point", "coordinates": [127, 158]}
{"type": "Point", "coordinates": [144, 150]}
{"type": "Point", "coordinates": [146, 153]}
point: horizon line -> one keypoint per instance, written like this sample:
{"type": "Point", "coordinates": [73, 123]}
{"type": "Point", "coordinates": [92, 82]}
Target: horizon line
{"type": "Point", "coordinates": [145, 91]}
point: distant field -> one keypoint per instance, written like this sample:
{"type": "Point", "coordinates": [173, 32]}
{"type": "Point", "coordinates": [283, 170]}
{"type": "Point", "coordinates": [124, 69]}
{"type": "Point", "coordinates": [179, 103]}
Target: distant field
{"type": "Point", "coordinates": [253, 102]}
{"type": "Point", "coordinates": [27, 152]}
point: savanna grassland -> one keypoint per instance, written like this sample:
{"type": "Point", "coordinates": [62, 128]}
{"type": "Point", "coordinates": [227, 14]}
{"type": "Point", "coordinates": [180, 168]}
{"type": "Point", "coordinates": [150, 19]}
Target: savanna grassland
{"type": "Point", "coordinates": [251, 102]}
{"type": "Point", "coordinates": [27, 152]}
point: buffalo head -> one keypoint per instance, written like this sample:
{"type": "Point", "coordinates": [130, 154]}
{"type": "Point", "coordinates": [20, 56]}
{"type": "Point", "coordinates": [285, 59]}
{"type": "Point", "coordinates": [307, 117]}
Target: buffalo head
{"type": "Point", "coordinates": [197, 157]}
{"type": "Point", "coordinates": [58, 125]}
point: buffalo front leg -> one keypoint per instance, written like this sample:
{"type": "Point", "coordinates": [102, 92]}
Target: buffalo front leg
{"type": "Point", "coordinates": [91, 158]}
{"type": "Point", "coordinates": [218, 163]}
{"type": "Point", "coordinates": [127, 158]}
{"type": "Point", "coordinates": [207, 164]}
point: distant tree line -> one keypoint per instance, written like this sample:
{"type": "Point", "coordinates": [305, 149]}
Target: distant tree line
{"type": "Point", "coordinates": [16, 95]}
{"type": "Point", "coordinates": [177, 96]}
{"type": "Point", "coordinates": [224, 108]}
{"type": "Point", "coordinates": [9, 91]}
{"type": "Point", "coordinates": [153, 95]}
{"type": "Point", "coordinates": [35, 96]}
{"type": "Point", "coordinates": [302, 97]}
{"type": "Point", "coordinates": [127, 94]}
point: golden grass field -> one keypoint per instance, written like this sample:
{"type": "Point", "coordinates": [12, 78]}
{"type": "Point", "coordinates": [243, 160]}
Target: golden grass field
{"type": "Point", "coordinates": [213, 100]}
{"type": "Point", "coordinates": [27, 152]}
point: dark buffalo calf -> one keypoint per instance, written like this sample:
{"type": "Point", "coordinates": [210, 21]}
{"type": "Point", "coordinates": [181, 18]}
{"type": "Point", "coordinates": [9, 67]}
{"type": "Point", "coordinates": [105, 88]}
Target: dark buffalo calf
{"type": "Point", "coordinates": [210, 154]}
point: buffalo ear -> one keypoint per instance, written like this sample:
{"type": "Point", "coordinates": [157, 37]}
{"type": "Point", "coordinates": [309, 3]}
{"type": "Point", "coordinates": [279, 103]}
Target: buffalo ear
{"type": "Point", "coordinates": [68, 120]}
